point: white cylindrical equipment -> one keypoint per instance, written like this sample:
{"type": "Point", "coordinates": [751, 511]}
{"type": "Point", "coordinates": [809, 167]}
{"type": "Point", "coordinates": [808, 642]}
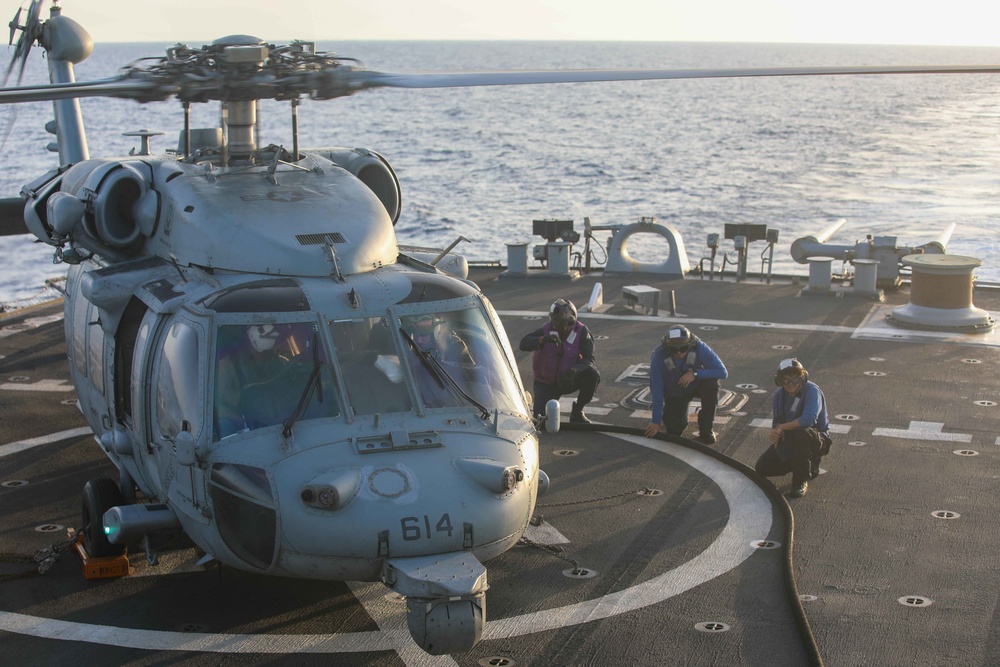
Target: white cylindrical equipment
{"type": "Point", "coordinates": [865, 273]}
{"type": "Point", "coordinates": [517, 258]}
{"type": "Point", "coordinates": [558, 257]}
{"type": "Point", "coordinates": [941, 296]}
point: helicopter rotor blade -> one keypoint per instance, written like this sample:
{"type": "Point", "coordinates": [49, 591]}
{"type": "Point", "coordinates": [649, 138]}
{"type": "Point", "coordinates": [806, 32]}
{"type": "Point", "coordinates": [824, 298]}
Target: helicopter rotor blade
{"type": "Point", "coordinates": [371, 79]}
{"type": "Point", "coordinates": [12, 216]}
{"type": "Point", "coordinates": [338, 80]}
{"type": "Point", "coordinates": [121, 87]}
{"type": "Point", "coordinates": [30, 31]}
{"type": "Point", "coordinates": [14, 22]}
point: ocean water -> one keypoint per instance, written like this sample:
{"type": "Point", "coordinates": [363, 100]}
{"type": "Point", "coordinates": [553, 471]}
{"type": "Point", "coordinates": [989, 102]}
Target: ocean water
{"type": "Point", "coordinates": [902, 156]}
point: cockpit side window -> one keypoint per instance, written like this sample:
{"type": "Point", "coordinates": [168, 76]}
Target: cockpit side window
{"type": "Point", "coordinates": [370, 364]}
{"type": "Point", "coordinates": [179, 382]}
{"type": "Point", "coordinates": [263, 370]}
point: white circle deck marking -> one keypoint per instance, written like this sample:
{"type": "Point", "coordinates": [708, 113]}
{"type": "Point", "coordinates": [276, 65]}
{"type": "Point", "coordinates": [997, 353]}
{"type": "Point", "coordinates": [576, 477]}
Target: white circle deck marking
{"type": "Point", "coordinates": [749, 517]}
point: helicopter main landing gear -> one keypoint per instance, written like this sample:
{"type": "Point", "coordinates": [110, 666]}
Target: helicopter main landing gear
{"type": "Point", "coordinates": [445, 599]}
{"type": "Point", "coordinates": [99, 495]}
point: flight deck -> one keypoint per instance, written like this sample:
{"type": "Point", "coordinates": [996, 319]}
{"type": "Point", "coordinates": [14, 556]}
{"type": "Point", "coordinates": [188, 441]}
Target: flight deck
{"type": "Point", "coordinates": [642, 551]}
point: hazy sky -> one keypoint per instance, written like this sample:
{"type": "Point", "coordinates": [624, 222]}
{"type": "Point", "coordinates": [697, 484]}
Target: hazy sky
{"type": "Point", "coordinates": [971, 22]}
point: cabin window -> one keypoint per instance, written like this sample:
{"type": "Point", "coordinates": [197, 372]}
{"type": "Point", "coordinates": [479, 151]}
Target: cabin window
{"type": "Point", "coordinates": [95, 349]}
{"type": "Point", "coordinates": [370, 364]}
{"type": "Point", "coordinates": [125, 353]}
{"type": "Point", "coordinates": [263, 370]}
{"type": "Point", "coordinates": [81, 310]}
{"type": "Point", "coordinates": [455, 356]}
{"type": "Point", "coordinates": [179, 382]}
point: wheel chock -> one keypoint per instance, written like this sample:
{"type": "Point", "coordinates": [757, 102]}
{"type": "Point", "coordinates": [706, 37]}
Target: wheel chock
{"type": "Point", "coordinates": [107, 567]}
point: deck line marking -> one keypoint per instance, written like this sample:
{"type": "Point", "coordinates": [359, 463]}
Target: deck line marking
{"type": "Point", "coordinates": [923, 431]}
{"type": "Point", "coordinates": [545, 534]}
{"type": "Point", "coordinates": [41, 385]}
{"type": "Point", "coordinates": [749, 519]}
{"type": "Point", "coordinates": [21, 445]}
{"type": "Point", "coordinates": [566, 405]}
{"type": "Point", "coordinates": [766, 423]}
{"type": "Point", "coordinates": [755, 324]}
{"type": "Point", "coordinates": [163, 640]}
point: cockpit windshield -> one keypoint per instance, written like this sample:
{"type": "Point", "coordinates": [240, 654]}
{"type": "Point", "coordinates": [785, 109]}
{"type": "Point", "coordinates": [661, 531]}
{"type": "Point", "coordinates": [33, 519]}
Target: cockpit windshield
{"type": "Point", "coordinates": [453, 357]}
{"type": "Point", "coordinates": [261, 372]}
{"type": "Point", "coordinates": [370, 365]}
{"type": "Point", "coordinates": [456, 361]}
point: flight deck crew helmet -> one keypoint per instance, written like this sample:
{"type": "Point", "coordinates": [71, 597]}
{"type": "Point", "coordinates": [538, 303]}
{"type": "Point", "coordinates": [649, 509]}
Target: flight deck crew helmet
{"type": "Point", "coordinates": [678, 340]}
{"type": "Point", "coordinates": [562, 314]}
{"type": "Point", "coordinates": [790, 370]}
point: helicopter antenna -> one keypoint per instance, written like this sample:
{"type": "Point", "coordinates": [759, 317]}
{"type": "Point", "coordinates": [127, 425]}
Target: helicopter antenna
{"type": "Point", "coordinates": [273, 167]}
{"type": "Point", "coordinates": [449, 249]}
{"type": "Point", "coordinates": [187, 128]}
{"type": "Point", "coordinates": [333, 257]}
{"type": "Point", "coordinates": [224, 124]}
{"type": "Point", "coordinates": [173, 260]}
{"type": "Point", "coordinates": [295, 129]}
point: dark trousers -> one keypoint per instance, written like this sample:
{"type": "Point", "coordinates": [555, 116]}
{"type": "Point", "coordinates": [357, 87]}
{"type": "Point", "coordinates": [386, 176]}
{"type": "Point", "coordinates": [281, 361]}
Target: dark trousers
{"type": "Point", "coordinates": [797, 453]}
{"type": "Point", "coordinates": [585, 381]}
{"type": "Point", "coordinates": [675, 408]}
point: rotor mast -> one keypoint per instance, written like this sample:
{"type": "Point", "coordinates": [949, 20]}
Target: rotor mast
{"type": "Point", "coordinates": [240, 115]}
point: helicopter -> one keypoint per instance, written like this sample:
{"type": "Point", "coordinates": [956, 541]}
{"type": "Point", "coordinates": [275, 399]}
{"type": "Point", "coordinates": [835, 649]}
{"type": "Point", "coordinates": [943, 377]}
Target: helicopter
{"type": "Point", "coordinates": [266, 369]}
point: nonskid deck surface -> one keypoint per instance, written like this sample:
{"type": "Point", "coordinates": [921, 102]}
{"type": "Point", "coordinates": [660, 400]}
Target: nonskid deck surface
{"type": "Point", "coordinates": [677, 577]}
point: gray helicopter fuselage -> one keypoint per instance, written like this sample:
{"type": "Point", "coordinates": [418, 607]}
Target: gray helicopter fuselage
{"type": "Point", "coordinates": [384, 462]}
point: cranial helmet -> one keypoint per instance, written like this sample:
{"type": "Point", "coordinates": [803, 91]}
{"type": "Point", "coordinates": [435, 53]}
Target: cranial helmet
{"type": "Point", "coordinates": [421, 328]}
{"type": "Point", "coordinates": [263, 337]}
{"type": "Point", "coordinates": [790, 369]}
{"type": "Point", "coordinates": [562, 314]}
{"type": "Point", "coordinates": [678, 339]}
{"type": "Point", "coordinates": [424, 324]}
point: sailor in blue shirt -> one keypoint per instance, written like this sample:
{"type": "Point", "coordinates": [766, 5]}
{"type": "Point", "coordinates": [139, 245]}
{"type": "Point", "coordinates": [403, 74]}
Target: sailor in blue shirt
{"type": "Point", "coordinates": [681, 368]}
{"type": "Point", "coordinates": [800, 428]}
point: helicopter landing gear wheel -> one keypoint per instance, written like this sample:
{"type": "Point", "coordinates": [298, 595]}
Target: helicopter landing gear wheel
{"type": "Point", "coordinates": [99, 495]}
{"type": "Point", "coordinates": [446, 625]}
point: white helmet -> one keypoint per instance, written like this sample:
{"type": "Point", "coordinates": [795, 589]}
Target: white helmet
{"type": "Point", "coordinates": [263, 337]}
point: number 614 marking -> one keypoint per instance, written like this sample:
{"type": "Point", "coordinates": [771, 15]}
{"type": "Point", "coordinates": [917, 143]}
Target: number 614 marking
{"type": "Point", "coordinates": [412, 527]}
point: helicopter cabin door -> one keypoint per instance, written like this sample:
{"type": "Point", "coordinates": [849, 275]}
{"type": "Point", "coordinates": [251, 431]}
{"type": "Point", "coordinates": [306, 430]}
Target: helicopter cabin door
{"type": "Point", "coordinates": [176, 412]}
{"type": "Point", "coordinates": [177, 417]}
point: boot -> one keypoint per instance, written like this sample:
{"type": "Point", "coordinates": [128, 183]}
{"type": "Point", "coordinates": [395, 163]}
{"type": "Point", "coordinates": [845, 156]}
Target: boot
{"type": "Point", "coordinates": [798, 490]}
{"type": "Point", "coordinates": [577, 416]}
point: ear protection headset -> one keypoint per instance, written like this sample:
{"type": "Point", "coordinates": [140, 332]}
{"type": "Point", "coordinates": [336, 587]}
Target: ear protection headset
{"type": "Point", "coordinates": [790, 364]}
{"type": "Point", "coordinates": [678, 338]}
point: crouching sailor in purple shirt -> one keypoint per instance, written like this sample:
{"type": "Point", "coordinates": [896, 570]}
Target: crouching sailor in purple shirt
{"type": "Point", "coordinates": [799, 428]}
{"type": "Point", "coordinates": [681, 368]}
{"type": "Point", "coordinates": [563, 360]}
